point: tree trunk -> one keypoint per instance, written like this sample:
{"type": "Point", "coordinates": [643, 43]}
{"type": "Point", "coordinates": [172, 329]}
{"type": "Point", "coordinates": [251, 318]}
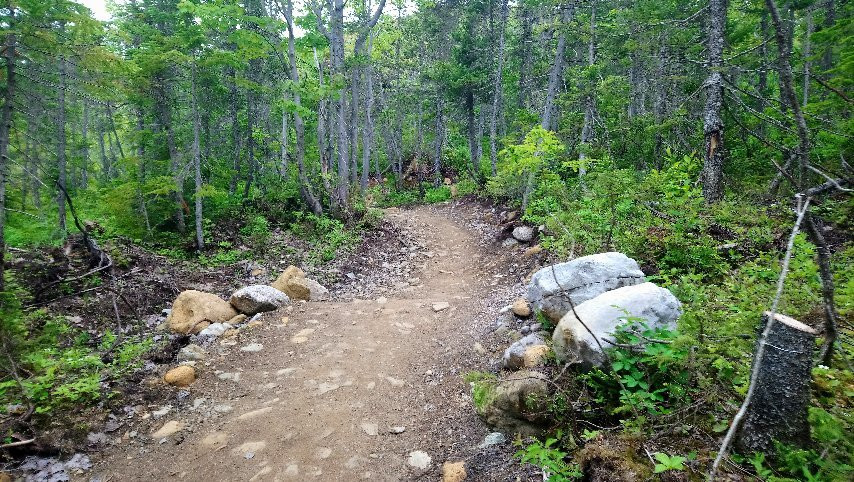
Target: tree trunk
{"type": "Point", "coordinates": [324, 146]}
{"type": "Point", "coordinates": [5, 128]}
{"type": "Point", "coordinates": [61, 144]}
{"type": "Point", "coordinates": [814, 230]}
{"type": "Point", "coordinates": [472, 132]}
{"type": "Point", "coordinates": [106, 165]}
{"type": "Point", "coordinates": [526, 44]}
{"type": "Point", "coordinates": [140, 152]}
{"type": "Point", "coordinates": [113, 130]}
{"type": "Point", "coordinates": [305, 186]}
{"type": "Point", "coordinates": [496, 88]}
{"type": "Point", "coordinates": [587, 128]}
{"type": "Point", "coordinates": [440, 139]}
{"type": "Point", "coordinates": [778, 410]}
{"type": "Point", "coordinates": [713, 128]}
{"type": "Point", "coordinates": [235, 131]}
{"type": "Point", "coordinates": [161, 99]}
{"type": "Point", "coordinates": [197, 161]}
{"type": "Point", "coordinates": [250, 138]}
{"type": "Point", "coordinates": [807, 42]}
{"type": "Point", "coordinates": [368, 127]}
{"type": "Point", "coordinates": [342, 195]}
{"type": "Point", "coordinates": [556, 75]}
{"type": "Point", "coordinates": [84, 147]}
{"type": "Point", "coordinates": [283, 151]}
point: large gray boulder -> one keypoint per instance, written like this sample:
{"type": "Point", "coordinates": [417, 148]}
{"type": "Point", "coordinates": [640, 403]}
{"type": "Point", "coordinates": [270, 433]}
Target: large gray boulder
{"type": "Point", "coordinates": [255, 299]}
{"type": "Point", "coordinates": [656, 306]}
{"type": "Point", "coordinates": [580, 279]}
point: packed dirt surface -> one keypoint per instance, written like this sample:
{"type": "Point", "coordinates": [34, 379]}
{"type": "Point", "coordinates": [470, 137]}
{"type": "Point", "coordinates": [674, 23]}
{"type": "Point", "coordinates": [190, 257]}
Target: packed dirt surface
{"type": "Point", "coordinates": [351, 389]}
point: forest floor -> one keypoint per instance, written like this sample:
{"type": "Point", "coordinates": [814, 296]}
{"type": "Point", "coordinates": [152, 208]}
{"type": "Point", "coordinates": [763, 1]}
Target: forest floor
{"type": "Point", "coordinates": [352, 388]}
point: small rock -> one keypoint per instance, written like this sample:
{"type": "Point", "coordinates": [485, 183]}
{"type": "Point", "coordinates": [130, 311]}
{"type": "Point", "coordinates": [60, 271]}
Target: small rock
{"type": "Point", "coordinates": [479, 349]}
{"type": "Point", "coordinates": [181, 376]}
{"type": "Point", "coordinates": [441, 306]}
{"type": "Point", "coordinates": [192, 311]}
{"type": "Point", "coordinates": [493, 438]}
{"type": "Point", "coordinates": [281, 282]}
{"type": "Point", "coordinates": [382, 300]}
{"type": "Point", "coordinates": [509, 243]}
{"type": "Point", "coordinates": [397, 430]}
{"type": "Point", "coordinates": [514, 355]}
{"type": "Point", "coordinates": [523, 233]}
{"type": "Point", "coordinates": [214, 330]}
{"type": "Point", "coordinates": [521, 308]}
{"type": "Point", "coordinates": [533, 251]}
{"type": "Point", "coordinates": [192, 352]}
{"type": "Point", "coordinates": [255, 299]}
{"type": "Point", "coordinates": [535, 327]}
{"type": "Point", "coordinates": [419, 459]}
{"type": "Point", "coordinates": [454, 471]}
{"type": "Point", "coordinates": [370, 428]}
{"type": "Point", "coordinates": [237, 320]}
{"type": "Point", "coordinates": [168, 428]}
{"type": "Point", "coordinates": [307, 289]}
{"type": "Point", "coordinates": [525, 330]}
{"type": "Point", "coordinates": [252, 348]}
{"type": "Point", "coordinates": [161, 412]}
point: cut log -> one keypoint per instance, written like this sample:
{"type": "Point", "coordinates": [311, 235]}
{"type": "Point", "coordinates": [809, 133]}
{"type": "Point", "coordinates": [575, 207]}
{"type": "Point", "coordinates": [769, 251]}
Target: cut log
{"type": "Point", "coordinates": [782, 393]}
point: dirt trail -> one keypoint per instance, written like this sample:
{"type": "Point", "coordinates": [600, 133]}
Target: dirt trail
{"type": "Point", "coordinates": [320, 399]}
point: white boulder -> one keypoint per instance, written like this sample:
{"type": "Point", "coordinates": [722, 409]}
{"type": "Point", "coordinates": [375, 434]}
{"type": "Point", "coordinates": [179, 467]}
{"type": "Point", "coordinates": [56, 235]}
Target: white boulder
{"type": "Point", "coordinates": [580, 280]}
{"type": "Point", "coordinates": [655, 306]}
{"type": "Point", "coordinates": [255, 299]}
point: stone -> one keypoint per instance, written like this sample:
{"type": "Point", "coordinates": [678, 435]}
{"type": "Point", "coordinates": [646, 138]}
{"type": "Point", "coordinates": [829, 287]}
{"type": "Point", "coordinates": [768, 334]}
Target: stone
{"type": "Point", "coordinates": [440, 306]}
{"type": "Point", "coordinates": [370, 428]}
{"type": "Point", "coordinates": [518, 403]}
{"type": "Point", "coordinates": [307, 289]}
{"type": "Point", "coordinates": [582, 279]}
{"type": "Point", "coordinates": [521, 308]}
{"type": "Point", "coordinates": [182, 376]}
{"type": "Point", "coordinates": [533, 251]}
{"type": "Point", "coordinates": [454, 471]}
{"type": "Point", "coordinates": [168, 428]}
{"type": "Point", "coordinates": [255, 299]}
{"type": "Point", "coordinates": [514, 355]}
{"type": "Point", "coordinates": [656, 306]}
{"type": "Point", "coordinates": [493, 438]}
{"type": "Point", "coordinates": [214, 330]}
{"type": "Point", "coordinates": [192, 352]}
{"type": "Point", "coordinates": [397, 429]}
{"type": "Point", "coordinates": [447, 181]}
{"type": "Point", "coordinates": [192, 311]}
{"type": "Point", "coordinates": [523, 233]}
{"type": "Point", "coordinates": [535, 356]}
{"type": "Point", "coordinates": [237, 320]}
{"type": "Point", "coordinates": [252, 348]}
{"type": "Point", "coordinates": [281, 282]}
{"type": "Point", "coordinates": [509, 243]}
{"type": "Point", "coordinates": [419, 459]}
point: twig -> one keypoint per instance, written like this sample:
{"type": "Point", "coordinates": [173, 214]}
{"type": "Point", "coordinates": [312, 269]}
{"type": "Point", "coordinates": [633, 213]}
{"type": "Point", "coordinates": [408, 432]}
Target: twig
{"type": "Point", "coordinates": [17, 444]}
{"type": "Point", "coordinates": [803, 206]}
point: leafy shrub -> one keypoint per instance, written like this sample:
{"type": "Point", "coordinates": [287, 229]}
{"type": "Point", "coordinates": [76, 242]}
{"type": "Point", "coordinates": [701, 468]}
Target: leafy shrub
{"type": "Point", "coordinates": [437, 194]}
{"type": "Point", "coordinates": [328, 236]}
{"type": "Point", "coordinates": [549, 457]}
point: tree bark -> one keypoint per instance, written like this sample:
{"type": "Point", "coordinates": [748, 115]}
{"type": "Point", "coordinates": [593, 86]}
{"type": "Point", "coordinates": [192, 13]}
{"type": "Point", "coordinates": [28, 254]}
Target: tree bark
{"type": "Point", "coordinates": [5, 128]}
{"type": "Point", "coordinates": [440, 139]}
{"type": "Point", "coordinates": [713, 127]}
{"type": "Point", "coordinates": [587, 128]}
{"type": "Point", "coordinates": [283, 150]}
{"type": "Point", "coordinates": [197, 161]}
{"type": "Point", "coordinates": [323, 143]}
{"type": "Point", "coordinates": [164, 111]}
{"type": "Point", "coordinates": [807, 42]}
{"type": "Point", "coordinates": [61, 144]}
{"type": "Point", "coordinates": [235, 130]}
{"type": "Point", "coordinates": [305, 186]}
{"type": "Point", "coordinates": [496, 88]}
{"type": "Point", "coordinates": [140, 152]}
{"type": "Point", "coordinates": [368, 127]}
{"type": "Point", "coordinates": [84, 147]}
{"type": "Point", "coordinates": [472, 134]}
{"type": "Point", "coordinates": [526, 44]}
{"type": "Point", "coordinates": [778, 410]}
{"type": "Point", "coordinates": [556, 74]}
{"type": "Point", "coordinates": [814, 230]}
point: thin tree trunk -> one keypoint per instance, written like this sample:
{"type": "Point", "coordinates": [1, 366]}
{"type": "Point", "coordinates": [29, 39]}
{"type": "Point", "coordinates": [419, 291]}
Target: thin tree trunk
{"type": "Point", "coordinates": [250, 138]}
{"type": "Point", "coordinates": [305, 186]}
{"type": "Point", "coordinates": [283, 151]}
{"type": "Point", "coordinates": [106, 165]}
{"type": "Point", "coordinates": [475, 168]}
{"type": "Point", "coordinates": [368, 127]}
{"type": "Point", "coordinates": [587, 128]}
{"type": "Point", "coordinates": [526, 41]}
{"type": "Point", "coordinates": [113, 130]}
{"type": "Point", "coordinates": [235, 131]}
{"type": "Point", "coordinates": [440, 139]}
{"type": "Point", "coordinates": [556, 75]}
{"type": "Point", "coordinates": [197, 161]}
{"type": "Point", "coordinates": [161, 95]}
{"type": "Point", "coordinates": [5, 128]}
{"type": "Point", "coordinates": [807, 41]}
{"type": "Point", "coordinates": [496, 88]}
{"type": "Point", "coordinates": [713, 127]}
{"type": "Point", "coordinates": [828, 289]}
{"type": "Point", "coordinates": [84, 147]}
{"type": "Point", "coordinates": [323, 145]}
{"type": "Point", "coordinates": [61, 144]}
{"type": "Point", "coordinates": [140, 152]}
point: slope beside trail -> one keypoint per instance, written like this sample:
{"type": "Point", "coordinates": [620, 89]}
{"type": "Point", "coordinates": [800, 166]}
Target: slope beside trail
{"type": "Point", "coordinates": [365, 389]}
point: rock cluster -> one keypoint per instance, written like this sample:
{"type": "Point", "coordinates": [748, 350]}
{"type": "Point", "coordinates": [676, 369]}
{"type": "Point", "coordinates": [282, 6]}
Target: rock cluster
{"type": "Point", "coordinates": [588, 298]}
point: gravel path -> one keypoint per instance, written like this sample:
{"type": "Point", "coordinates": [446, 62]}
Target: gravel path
{"type": "Point", "coordinates": [363, 389]}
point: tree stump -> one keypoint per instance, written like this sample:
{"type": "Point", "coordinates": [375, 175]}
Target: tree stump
{"type": "Point", "coordinates": [782, 393]}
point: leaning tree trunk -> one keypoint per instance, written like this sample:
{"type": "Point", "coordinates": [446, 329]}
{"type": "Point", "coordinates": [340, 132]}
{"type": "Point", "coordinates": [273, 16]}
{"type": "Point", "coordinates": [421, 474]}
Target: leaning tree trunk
{"type": "Point", "coordinates": [778, 410]}
{"type": "Point", "coordinates": [713, 125]}
{"type": "Point", "coordinates": [556, 74]}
